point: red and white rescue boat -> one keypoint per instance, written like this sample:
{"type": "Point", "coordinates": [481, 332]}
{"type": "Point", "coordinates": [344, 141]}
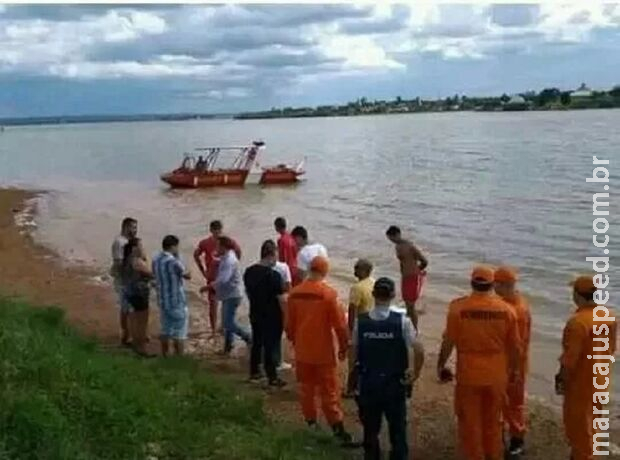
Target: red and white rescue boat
{"type": "Point", "coordinates": [202, 172]}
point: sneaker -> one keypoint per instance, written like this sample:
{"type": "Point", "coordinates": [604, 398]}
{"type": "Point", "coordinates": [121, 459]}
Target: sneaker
{"type": "Point", "coordinates": [277, 383]}
{"type": "Point", "coordinates": [256, 378]}
{"type": "Point", "coordinates": [284, 366]}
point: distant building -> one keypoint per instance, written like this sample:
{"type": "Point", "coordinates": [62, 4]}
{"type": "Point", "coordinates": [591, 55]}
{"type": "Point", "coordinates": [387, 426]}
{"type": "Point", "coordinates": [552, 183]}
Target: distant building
{"type": "Point", "coordinates": [516, 100]}
{"type": "Point", "coordinates": [516, 103]}
{"type": "Point", "coordinates": [582, 92]}
{"type": "Point", "coordinates": [399, 108]}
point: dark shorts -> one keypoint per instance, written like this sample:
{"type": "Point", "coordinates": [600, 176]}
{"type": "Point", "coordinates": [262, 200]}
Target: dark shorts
{"type": "Point", "coordinates": [139, 301]}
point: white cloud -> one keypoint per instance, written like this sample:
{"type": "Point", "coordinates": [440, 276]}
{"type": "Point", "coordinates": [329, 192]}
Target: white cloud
{"type": "Point", "coordinates": [575, 22]}
{"type": "Point", "coordinates": [233, 93]}
{"type": "Point", "coordinates": [465, 31]}
{"type": "Point", "coordinates": [43, 46]}
{"type": "Point", "coordinates": [124, 27]}
{"type": "Point", "coordinates": [358, 52]}
{"type": "Point", "coordinates": [178, 59]}
{"type": "Point", "coordinates": [234, 48]}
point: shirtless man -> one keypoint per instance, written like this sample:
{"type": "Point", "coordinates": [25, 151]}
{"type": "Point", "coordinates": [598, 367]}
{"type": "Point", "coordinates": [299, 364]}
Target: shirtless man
{"type": "Point", "coordinates": [412, 269]}
{"type": "Point", "coordinates": [129, 230]}
{"type": "Point", "coordinates": [207, 261]}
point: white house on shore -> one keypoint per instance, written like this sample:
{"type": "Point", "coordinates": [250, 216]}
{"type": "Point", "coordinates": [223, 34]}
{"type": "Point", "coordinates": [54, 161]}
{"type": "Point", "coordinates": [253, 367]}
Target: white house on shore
{"type": "Point", "coordinates": [516, 99]}
{"type": "Point", "coordinates": [582, 92]}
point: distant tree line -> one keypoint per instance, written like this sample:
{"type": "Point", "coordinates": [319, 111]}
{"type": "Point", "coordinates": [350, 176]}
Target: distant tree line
{"type": "Point", "coordinates": [547, 99]}
{"type": "Point", "coordinates": [71, 119]}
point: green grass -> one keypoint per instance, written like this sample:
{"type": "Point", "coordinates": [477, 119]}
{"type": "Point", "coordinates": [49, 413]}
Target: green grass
{"type": "Point", "coordinates": [61, 397]}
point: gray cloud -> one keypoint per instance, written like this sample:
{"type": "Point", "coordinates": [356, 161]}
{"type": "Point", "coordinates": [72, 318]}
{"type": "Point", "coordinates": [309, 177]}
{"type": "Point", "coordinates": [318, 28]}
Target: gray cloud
{"type": "Point", "coordinates": [204, 33]}
{"type": "Point", "coordinates": [368, 25]}
{"type": "Point", "coordinates": [440, 30]}
{"type": "Point", "coordinates": [453, 21]}
{"type": "Point", "coordinates": [581, 17]}
{"type": "Point", "coordinates": [59, 13]}
{"type": "Point", "coordinates": [514, 15]}
{"type": "Point", "coordinates": [237, 50]}
{"type": "Point", "coordinates": [277, 58]}
{"type": "Point", "coordinates": [53, 12]}
{"type": "Point", "coordinates": [298, 15]}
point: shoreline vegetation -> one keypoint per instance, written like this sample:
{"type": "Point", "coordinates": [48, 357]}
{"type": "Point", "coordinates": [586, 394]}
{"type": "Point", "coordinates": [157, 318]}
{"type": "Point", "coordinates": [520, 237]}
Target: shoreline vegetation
{"type": "Point", "coordinates": [62, 393]}
{"type": "Point", "coordinates": [547, 99]}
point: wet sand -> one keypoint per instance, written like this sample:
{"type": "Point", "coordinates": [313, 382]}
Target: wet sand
{"type": "Point", "coordinates": [38, 275]}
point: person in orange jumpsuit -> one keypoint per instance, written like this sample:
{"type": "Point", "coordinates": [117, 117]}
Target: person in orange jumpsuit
{"type": "Point", "coordinates": [590, 332]}
{"type": "Point", "coordinates": [514, 411]}
{"type": "Point", "coordinates": [313, 316]}
{"type": "Point", "coordinates": [483, 329]}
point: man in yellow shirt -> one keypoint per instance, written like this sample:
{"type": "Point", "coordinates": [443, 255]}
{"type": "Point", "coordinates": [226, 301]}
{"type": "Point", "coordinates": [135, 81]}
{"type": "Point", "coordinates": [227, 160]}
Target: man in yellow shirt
{"type": "Point", "coordinates": [360, 301]}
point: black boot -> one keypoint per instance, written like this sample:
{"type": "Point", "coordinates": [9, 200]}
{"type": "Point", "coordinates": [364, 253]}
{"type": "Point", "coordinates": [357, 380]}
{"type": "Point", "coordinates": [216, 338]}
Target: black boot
{"type": "Point", "coordinates": [345, 438]}
{"type": "Point", "coordinates": [515, 448]}
{"type": "Point", "coordinates": [312, 424]}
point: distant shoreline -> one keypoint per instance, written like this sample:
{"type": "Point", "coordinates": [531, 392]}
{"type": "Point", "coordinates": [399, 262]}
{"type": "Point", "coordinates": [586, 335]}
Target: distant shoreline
{"type": "Point", "coordinates": [47, 121]}
{"type": "Point", "coordinates": [547, 99]}
{"type": "Point", "coordinates": [275, 117]}
{"type": "Point", "coordinates": [79, 119]}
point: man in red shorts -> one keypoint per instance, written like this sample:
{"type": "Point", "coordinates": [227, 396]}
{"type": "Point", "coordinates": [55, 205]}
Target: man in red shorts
{"type": "Point", "coordinates": [412, 269]}
{"type": "Point", "coordinates": [207, 260]}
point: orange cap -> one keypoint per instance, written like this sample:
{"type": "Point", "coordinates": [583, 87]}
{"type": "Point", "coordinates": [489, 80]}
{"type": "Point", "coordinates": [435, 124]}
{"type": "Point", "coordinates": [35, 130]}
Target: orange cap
{"type": "Point", "coordinates": [506, 274]}
{"type": "Point", "coordinates": [483, 274]}
{"type": "Point", "coordinates": [584, 284]}
{"type": "Point", "coordinates": [319, 265]}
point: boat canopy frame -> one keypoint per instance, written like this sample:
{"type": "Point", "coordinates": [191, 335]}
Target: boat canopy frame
{"type": "Point", "coordinates": [246, 153]}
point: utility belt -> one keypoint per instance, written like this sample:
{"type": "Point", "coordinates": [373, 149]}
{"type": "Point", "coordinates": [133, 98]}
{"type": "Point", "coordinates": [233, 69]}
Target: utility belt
{"type": "Point", "coordinates": [374, 382]}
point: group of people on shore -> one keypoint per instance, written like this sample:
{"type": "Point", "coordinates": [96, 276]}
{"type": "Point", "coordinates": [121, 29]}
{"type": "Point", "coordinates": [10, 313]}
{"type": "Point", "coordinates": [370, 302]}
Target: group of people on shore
{"type": "Point", "coordinates": [288, 295]}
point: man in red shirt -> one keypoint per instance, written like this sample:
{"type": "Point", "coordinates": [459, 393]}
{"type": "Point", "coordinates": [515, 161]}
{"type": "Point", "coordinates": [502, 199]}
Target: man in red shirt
{"type": "Point", "coordinates": [207, 260]}
{"type": "Point", "coordinates": [287, 249]}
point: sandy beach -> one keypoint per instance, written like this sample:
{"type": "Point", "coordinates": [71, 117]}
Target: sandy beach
{"type": "Point", "coordinates": [35, 273]}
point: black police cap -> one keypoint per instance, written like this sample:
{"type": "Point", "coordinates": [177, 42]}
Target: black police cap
{"type": "Point", "coordinates": [384, 286]}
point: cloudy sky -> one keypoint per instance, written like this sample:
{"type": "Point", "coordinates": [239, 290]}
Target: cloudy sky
{"type": "Point", "coordinates": [82, 59]}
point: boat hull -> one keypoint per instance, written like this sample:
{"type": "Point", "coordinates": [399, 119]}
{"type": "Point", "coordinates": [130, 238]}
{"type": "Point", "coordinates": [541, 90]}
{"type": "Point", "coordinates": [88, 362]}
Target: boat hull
{"type": "Point", "coordinates": [229, 178]}
{"type": "Point", "coordinates": [222, 178]}
{"type": "Point", "coordinates": [280, 176]}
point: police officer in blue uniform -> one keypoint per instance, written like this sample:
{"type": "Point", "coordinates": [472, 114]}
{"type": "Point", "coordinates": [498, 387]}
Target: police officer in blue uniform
{"type": "Point", "coordinates": [382, 339]}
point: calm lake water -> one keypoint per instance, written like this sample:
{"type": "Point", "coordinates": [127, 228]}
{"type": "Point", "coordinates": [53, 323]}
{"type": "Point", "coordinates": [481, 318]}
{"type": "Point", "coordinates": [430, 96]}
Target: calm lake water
{"type": "Point", "coordinates": [466, 187]}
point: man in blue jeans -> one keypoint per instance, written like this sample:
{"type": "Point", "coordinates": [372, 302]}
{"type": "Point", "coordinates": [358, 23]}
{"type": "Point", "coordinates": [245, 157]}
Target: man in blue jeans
{"type": "Point", "coordinates": [169, 274]}
{"type": "Point", "coordinates": [227, 285]}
